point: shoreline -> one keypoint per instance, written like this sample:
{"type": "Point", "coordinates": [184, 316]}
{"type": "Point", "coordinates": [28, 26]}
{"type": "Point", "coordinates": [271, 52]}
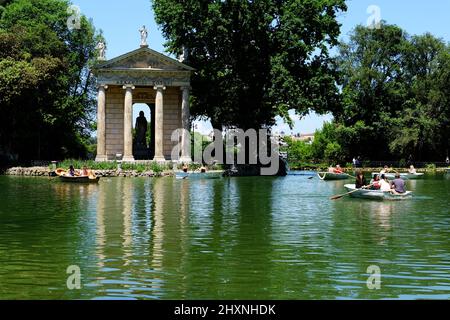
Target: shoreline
{"type": "Point", "coordinates": [47, 172]}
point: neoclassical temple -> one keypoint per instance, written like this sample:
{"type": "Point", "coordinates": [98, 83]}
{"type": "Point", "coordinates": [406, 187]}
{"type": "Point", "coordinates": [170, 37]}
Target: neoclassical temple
{"type": "Point", "coordinates": [148, 77]}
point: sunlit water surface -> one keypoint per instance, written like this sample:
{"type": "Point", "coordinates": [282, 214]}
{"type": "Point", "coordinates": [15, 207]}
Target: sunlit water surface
{"type": "Point", "coordinates": [238, 238]}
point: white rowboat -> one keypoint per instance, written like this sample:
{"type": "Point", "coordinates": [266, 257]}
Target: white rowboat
{"type": "Point", "coordinates": [376, 194]}
{"type": "Point", "coordinates": [327, 176]}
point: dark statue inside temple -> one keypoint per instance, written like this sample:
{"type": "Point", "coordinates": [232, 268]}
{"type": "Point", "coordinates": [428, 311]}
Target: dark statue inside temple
{"type": "Point", "coordinates": [141, 149]}
{"type": "Point", "coordinates": [141, 130]}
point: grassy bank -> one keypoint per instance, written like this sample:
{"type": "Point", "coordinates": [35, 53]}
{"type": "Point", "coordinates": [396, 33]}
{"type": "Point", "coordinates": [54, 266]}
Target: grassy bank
{"type": "Point", "coordinates": [114, 165]}
{"type": "Point", "coordinates": [139, 167]}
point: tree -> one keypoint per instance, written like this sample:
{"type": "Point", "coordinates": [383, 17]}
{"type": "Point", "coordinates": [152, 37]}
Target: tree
{"type": "Point", "coordinates": [423, 125]}
{"type": "Point", "coordinates": [47, 93]}
{"type": "Point", "coordinates": [255, 59]}
{"type": "Point", "coordinates": [394, 94]}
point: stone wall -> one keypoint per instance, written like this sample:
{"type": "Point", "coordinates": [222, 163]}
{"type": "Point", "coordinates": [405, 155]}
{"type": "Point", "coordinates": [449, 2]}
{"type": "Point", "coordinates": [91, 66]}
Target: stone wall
{"type": "Point", "coordinates": [29, 172]}
{"type": "Point", "coordinates": [45, 172]}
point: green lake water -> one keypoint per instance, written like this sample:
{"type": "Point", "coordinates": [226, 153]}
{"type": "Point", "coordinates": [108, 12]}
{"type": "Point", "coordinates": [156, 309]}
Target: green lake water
{"type": "Point", "coordinates": [237, 238]}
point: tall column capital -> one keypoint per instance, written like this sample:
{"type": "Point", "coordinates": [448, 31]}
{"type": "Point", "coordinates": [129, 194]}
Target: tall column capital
{"type": "Point", "coordinates": [102, 86]}
{"type": "Point", "coordinates": [128, 86]}
{"type": "Point", "coordinates": [185, 88]}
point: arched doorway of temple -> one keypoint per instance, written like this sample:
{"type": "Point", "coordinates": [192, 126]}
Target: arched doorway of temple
{"type": "Point", "coordinates": [143, 131]}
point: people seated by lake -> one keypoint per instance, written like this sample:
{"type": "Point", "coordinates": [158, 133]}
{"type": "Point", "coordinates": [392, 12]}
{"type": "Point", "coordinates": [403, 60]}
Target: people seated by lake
{"type": "Point", "coordinates": [385, 186]}
{"type": "Point", "coordinates": [360, 180]}
{"type": "Point", "coordinates": [375, 182]}
{"type": "Point", "coordinates": [398, 186]}
{"type": "Point", "coordinates": [71, 171]}
{"type": "Point", "coordinates": [412, 170]}
{"type": "Point", "coordinates": [203, 170]}
{"type": "Point", "coordinates": [185, 169]}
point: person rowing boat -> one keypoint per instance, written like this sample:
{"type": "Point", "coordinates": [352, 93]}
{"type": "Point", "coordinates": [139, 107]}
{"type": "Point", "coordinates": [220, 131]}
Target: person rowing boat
{"type": "Point", "coordinates": [385, 170]}
{"type": "Point", "coordinates": [360, 180]}
{"type": "Point", "coordinates": [412, 170]}
{"type": "Point", "coordinates": [336, 170]}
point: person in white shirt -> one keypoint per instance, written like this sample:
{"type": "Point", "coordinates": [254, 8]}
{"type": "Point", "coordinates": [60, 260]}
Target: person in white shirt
{"type": "Point", "coordinates": [385, 186]}
{"type": "Point", "coordinates": [412, 170]}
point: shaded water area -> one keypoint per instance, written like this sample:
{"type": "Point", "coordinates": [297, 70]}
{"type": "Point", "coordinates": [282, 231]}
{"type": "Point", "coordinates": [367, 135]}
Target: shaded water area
{"type": "Point", "coordinates": [237, 238]}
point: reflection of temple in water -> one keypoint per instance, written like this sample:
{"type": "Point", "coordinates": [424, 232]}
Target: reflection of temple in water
{"type": "Point", "coordinates": [140, 227]}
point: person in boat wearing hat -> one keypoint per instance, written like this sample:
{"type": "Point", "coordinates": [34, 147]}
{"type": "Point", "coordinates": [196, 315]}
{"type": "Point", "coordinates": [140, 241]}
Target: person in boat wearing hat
{"type": "Point", "coordinates": [398, 185]}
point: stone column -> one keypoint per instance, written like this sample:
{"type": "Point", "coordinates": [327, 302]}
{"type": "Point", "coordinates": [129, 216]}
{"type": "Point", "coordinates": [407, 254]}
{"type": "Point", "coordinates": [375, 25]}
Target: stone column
{"type": "Point", "coordinates": [159, 123]}
{"type": "Point", "coordinates": [101, 124]}
{"type": "Point", "coordinates": [128, 124]}
{"type": "Point", "coordinates": [186, 125]}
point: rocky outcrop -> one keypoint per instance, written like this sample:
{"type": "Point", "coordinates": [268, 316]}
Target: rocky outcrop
{"type": "Point", "coordinates": [30, 172]}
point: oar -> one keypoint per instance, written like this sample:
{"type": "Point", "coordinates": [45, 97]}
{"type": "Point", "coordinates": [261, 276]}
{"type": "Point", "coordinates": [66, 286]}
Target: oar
{"type": "Point", "coordinates": [350, 175]}
{"type": "Point", "coordinates": [348, 193]}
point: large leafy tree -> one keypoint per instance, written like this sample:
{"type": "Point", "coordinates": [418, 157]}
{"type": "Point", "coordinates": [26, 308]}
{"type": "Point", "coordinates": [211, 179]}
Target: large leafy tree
{"type": "Point", "coordinates": [255, 59]}
{"type": "Point", "coordinates": [47, 94]}
{"type": "Point", "coordinates": [394, 94]}
{"type": "Point", "coordinates": [422, 127]}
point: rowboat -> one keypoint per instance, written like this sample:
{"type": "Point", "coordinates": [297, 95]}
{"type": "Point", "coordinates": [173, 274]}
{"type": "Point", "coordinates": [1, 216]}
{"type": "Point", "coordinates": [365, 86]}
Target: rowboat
{"type": "Point", "coordinates": [60, 172]}
{"type": "Point", "coordinates": [63, 176]}
{"type": "Point", "coordinates": [405, 176]}
{"type": "Point", "coordinates": [376, 194]}
{"type": "Point", "coordinates": [89, 179]}
{"type": "Point", "coordinates": [198, 175]}
{"type": "Point", "coordinates": [327, 176]}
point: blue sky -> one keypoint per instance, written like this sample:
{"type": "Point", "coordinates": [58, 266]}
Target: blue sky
{"type": "Point", "coordinates": [121, 20]}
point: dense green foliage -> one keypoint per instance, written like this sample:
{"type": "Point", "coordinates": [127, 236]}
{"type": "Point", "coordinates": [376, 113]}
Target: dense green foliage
{"type": "Point", "coordinates": [47, 94]}
{"type": "Point", "coordinates": [396, 97]}
{"type": "Point", "coordinates": [325, 148]}
{"type": "Point", "coordinates": [255, 59]}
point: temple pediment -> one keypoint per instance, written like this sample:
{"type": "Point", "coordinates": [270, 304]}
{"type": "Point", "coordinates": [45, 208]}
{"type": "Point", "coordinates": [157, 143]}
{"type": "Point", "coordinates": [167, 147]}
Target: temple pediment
{"type": "Point", "coordinates": [143, 67]}
{"type": "Point", "coordinates": [143, 58]}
